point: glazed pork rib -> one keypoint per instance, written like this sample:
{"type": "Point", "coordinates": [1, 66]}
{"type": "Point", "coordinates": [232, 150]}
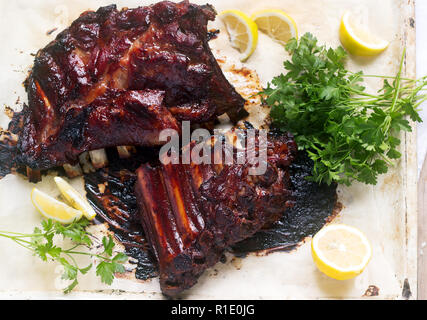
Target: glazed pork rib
{"type": "Point", "coordinates": [115, 118]}
{"type": "Point", "coordinates": [191, 213]}
{"type": "Point", "coordinates": [117, 78]}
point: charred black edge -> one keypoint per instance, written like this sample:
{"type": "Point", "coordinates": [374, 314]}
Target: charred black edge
{"type": "Point", "coordinates": [131, 233]}
{"type": "Point", "coordinates": [269, 247]}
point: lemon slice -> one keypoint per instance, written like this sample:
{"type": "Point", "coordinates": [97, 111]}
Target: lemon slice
{"type": "Point", "coordinates": [358, 41]}
{"type": "Point", "coordinates": [340, 251]}
{"type": "Point", "coordinates": [51, 208]}
{"type": "Point", "coordinates": [276, 24]}
{"type": "Point", "coordinates": [75, 198]}
{"type": "Point", "coordinates": [242, 30]}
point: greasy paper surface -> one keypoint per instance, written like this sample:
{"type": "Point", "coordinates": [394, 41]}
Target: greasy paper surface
{"type": "Point", "coordinates": [386, 212]}
{"type": "Point", "coordinates": [421, 26]}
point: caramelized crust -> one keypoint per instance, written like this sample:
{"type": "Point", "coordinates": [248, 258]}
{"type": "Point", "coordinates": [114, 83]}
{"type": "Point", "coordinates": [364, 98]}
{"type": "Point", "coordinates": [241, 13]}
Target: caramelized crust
{"type": "Point", "coordinates": [192, 213]}
{"type": "Point", "coordinates": [117, 77]}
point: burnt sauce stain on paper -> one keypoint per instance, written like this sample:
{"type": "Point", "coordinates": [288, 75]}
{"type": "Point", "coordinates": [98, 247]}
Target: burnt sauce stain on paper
{"type": "Point", "coordinates": [8, 144]}
{"type": "Point", "coordinates": [8, 151]}
{"type": "Point", "coordinates": [315, 205]}
{"type": "Point", "coordinates": [372, 291]}
{"type": "Point", "coordinates": [111, 192]}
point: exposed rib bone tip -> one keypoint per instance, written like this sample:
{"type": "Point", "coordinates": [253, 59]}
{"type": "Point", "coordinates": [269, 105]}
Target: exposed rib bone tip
{"type": "Point", "coordinates": [224, 118]}
{"type": "Point", "coordinates": [73, 171]}
{"type": "Point", "coordinates": [85, 163]}
{"type": "Point", "coordinates": [33, 175]}
{"type": "Point", "coordinates": [125, 152]}
{"type": "Point", "coordinates": [99, 158]}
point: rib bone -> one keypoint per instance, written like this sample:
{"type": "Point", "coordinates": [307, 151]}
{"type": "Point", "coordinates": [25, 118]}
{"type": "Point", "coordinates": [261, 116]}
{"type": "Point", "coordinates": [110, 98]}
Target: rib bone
{"type": "Point", "coordinates": [118, 78]}
{"type": "Point", "coordinates": [191, 213]}
{"type": "Point", "coordinates": [125, 152]}
{"type": "Point", "coordinates": [33, 175]}
{"type": "Point", "coordinates": [73, 171]}
{"type": "Point", "coordinates": [87, 166]}
{"type": "Point", "coordinates": [99, 158]}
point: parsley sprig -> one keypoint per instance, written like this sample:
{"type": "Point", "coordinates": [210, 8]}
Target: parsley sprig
{"type": "Point", "coordinates": [348, 133]}
{"type": "Point", "coordinates": [42, 243]}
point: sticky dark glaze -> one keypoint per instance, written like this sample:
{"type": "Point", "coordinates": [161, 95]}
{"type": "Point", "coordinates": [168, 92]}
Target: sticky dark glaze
{"type": "Point", "coordinates": [213, 34]}
{"type": "Point", "coordinates": [192, 212]}
{"type": "Point", "coordinates": [149, 65]}
{"type": "Point", "coordinates": [111, 193]}
{"type": "Point", "coordinates": [313, 207]}
{"type": "Point", "coordinates": [8, 152]}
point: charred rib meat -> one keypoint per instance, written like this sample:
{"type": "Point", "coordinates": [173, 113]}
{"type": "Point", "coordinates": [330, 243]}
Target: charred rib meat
{"type": "Point", "coordinates": [117, 78]}
{"type": "Point", "coordinates": [192, 213]}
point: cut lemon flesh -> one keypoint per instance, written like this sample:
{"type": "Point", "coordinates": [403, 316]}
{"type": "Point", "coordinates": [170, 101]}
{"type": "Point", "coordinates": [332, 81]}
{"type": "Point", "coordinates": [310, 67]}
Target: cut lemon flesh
{"type": "Point", "coordinates": [51, 208]}
{"type": "Point", "coordinates": [357, 40]}
{"type": "Point", "coordinates": [243, 32]}
{"type": "Point", "coordinates": [276, 24]}
{"type": "Point", "coordinates": [340, 251]}
{"type": "Point", "coordinates": [75, 199]}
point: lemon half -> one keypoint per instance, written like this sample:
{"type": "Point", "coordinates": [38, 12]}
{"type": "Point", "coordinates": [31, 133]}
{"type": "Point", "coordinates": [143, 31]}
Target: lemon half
{"type": "Point", "coordinates": [358, 41]}
{"type": "Point", "coordinates": [75, 198]}
{"type": "Point", "coordinates": [276, 24]}
{"type": "Point", "coordinates": [340, 251]}
{"type": "Point", "coordinates": [243, 32]}
{"type": "Point", "coordinates": [51, 208]}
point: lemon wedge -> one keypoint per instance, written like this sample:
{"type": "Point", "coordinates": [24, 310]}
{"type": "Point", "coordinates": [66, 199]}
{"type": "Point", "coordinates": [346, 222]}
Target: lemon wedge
{"type": "Point", "coordinates": [340, 251]}
{"type": "Point", "coordinates": [51, 208]}
{"type": "Point", "coordinates": [243, 32]}
{"type": "Point", "coordinates": [276, 24]}
{"type": "Point", "coordinates": [358, 41]}
{"type": "Point", "coordinates": [75, 198]}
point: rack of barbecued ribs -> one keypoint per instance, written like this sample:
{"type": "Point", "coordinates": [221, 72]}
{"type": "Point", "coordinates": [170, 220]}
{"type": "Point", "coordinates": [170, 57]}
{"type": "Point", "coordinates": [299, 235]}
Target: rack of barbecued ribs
{"type": "Point", "coordinates": [118, 78]}
{"type": "Point", "coordinates": [192, 212]}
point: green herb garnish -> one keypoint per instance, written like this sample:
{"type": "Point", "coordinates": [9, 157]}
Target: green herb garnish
{"type": "Point", "coordinates": [43, 244]}
{"type": "Point", "coordinates": [348, 133]}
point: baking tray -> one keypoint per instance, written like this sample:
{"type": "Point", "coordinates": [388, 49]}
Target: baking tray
{"type": "Point", "coordinates": [387, 213]}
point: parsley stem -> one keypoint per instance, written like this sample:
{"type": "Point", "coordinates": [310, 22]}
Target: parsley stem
{"type": "Point", "coordinates": [88, 254]}
{"type": "Point", "coordinates": [420, 102]}
{"type": "Point", "coordinates": [397, 82]}
{"type": "Point", "coordinates": [389, 162]}
{"type": "Point", "coordinates": [19, 242]}
{"type": "Point", "coordinates": [15, 238]}
{"type": "Point", "coordinates": [72, 259]}
{"type": "Point", "coordinates": [17, 234]}
{"type": "Point", "coordinates": [383, 77]}
{"type": "Point", "coordinates": [43, 245]}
